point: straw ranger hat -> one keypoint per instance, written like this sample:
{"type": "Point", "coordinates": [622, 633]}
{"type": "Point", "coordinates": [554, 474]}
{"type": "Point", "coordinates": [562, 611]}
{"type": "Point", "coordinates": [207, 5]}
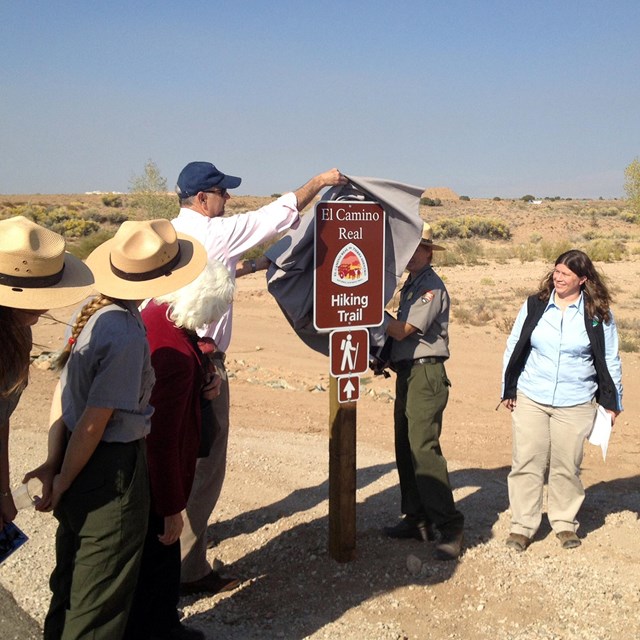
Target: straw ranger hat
{"type": "Point", "coordinates": [427, 238]}
{"type": "Point", "coordinates": [146, 259]}
{"type": "Point", "coordinates": [35, 270]}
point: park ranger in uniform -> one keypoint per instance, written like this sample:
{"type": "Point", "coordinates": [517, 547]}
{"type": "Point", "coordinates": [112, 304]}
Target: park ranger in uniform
{"type": "Point", "coordinates": [419, 348]}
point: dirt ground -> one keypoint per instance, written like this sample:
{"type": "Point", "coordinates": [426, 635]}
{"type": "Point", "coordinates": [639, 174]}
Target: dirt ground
{"type": "Point", "coordinates": [271, 526]}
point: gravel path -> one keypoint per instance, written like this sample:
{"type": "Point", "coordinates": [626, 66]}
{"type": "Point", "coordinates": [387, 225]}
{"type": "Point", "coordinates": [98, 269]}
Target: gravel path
{"type": "Point", "coordinates": [272, 524]}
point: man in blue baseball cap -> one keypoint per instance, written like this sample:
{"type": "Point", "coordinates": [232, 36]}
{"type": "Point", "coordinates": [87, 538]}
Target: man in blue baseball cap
{"type": "Point", "coordinates": [203, 191]}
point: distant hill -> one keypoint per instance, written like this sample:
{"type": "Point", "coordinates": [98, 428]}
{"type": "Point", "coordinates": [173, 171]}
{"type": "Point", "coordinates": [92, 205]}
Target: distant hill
{"type": "Point", "coordinates": [444, 193]}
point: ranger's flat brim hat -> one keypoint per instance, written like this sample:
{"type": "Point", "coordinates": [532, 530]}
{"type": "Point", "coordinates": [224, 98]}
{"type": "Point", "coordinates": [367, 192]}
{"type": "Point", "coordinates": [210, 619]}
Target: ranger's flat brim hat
{"type": "Point", "coordinates": [427, 238]}
{"type": "Point", "coordinates": [35, 270]}
{"type": "Point", "coordinates": [146, 259]}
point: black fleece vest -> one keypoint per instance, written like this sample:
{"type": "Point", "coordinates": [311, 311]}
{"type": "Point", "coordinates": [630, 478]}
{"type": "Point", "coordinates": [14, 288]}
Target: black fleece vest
{"type": "Point", "coordinates": [605, 395]}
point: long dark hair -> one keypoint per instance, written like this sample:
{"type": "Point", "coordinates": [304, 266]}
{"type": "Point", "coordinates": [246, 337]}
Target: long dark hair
{"type": "Point", "coordinates": [597, 299]}
{"type": "Point", "coordinates": [16, 347]}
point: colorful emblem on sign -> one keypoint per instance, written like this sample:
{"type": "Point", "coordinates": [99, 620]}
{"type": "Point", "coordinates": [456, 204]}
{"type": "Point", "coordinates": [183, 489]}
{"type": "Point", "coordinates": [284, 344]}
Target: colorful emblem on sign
{"type": "Point", "coordinates": [349, 267]}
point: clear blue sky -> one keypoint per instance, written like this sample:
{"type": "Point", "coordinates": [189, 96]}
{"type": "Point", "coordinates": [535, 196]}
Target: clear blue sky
{"type": "Point", "coordinates": [490, 98]}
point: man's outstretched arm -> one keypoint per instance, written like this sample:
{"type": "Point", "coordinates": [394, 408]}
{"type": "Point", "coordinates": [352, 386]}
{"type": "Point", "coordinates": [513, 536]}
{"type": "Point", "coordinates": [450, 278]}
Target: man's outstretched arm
{"type": "Point", "coordinates": [307, 192]}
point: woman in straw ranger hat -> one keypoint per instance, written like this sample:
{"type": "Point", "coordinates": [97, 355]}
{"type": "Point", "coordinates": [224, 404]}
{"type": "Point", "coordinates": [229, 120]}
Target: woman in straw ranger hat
{"type": "Point", "coordinates": [35, 274]}
{"type": "Point", "coordinates": [95, 476]}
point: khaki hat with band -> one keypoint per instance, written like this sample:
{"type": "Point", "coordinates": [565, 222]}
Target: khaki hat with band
{"type": "Point", "coordinates": [427, 238]}
{"type": "Point", "coordinates": [145, 259]}
{"type": "Point", "coordinates": [36, 272]}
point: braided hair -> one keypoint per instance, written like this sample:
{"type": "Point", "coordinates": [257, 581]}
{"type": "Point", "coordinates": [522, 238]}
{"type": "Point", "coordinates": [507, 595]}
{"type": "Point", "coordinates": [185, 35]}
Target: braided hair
{"type": "Point", "coordinates": [95, 304]}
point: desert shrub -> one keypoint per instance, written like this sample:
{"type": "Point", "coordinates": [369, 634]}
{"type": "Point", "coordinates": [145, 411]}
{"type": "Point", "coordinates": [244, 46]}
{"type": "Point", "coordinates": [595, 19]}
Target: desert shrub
{"type": "Point", "coordinates": [630, 216]}
{"type": "Point", "coordinates": [480, 313]}
{"type": "Point", "coordinates": [497, 199]}
{"type": "Point", "coordinates": [535, 237]}
{"type": "Point", "coordinates": [83, 248]}
{"type": "Point", "coordinates": [527, 252]}
{"type": "Point", "coordinates": [149, 194]}
{"type": "Point", "coordinates": [551, 250]}
{"type": "Point", "coordinates": [472, 226]}
{"type": "Point", "coordinates": [504, 324]}
{"type": "Point", "coordinates": [155, 205]}
{"type": "Point", "coordinates": [632, 185]}
{"type": "Point", "coordinates": [605, 250]}
{"type": "Point", "coordinates": [469, 252]}
{"type": "Point", "coordinates": [105, 217]}
{"type": "Point", "coordinates": [101, 217]}
{"type": "Point", "coordinates": [528, 198]}
{"type": "Point", "coordinates": [489, 282]}
{"type": "Point", "coordinates": [431, 202]}
{"type": "Point", "coordinates": [627, 343]}
{"type": "Point", "coordinates": [464, 198]}
{"type": "Point", "coordinates": [75, 227]}
{"type": "Point", "coordinates": [112, 200]}
{"type": "Point", "coordinates": [276, 195]}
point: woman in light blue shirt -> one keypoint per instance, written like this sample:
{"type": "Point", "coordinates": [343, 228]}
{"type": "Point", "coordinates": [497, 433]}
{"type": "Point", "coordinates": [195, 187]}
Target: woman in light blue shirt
{"type": "Point", "coordinates": [561, 360]}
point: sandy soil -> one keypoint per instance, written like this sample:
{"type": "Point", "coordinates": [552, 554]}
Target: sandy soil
{"type": "Point", "coordinates": [271, 524]}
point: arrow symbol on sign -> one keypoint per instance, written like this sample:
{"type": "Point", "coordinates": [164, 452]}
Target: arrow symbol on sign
{"type": "Point", "coordinates": [349, 389]}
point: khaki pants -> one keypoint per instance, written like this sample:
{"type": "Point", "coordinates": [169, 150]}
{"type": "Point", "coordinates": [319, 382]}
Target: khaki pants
{"type": "Point", "coordinates": [547, 436]}
{"type": "Point", "coordinates": [205, 491]}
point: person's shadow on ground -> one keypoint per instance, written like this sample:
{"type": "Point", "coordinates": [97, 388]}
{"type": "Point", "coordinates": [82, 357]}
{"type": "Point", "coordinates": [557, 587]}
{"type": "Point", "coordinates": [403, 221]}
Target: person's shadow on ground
{"type": "Point", "coordinates": [294, 578]}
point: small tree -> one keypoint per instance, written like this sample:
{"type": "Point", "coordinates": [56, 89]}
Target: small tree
{"type": "Point", "coordinates": [632, 185]}
{"type": "Point", "coordinates": [149, 193]}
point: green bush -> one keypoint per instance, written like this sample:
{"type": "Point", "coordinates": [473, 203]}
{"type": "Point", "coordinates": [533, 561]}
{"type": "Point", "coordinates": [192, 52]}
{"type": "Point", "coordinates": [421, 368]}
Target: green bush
{"type": "Point", "coordinates": [75, 228]}
{"type": "Point", "coordinates": [464, 198]}
{"type": "Point", "coordinates": [528, 198]}
{"type": "Point", "coordinates": [605, 250]}
{"type": "Point", "coordinates": [551, 250]}
{"type": "Point", "coordinates": [469, 252]}
{"type": "Point", "coordinates": [112, 200]}
{"type": "Point", "coordinates": [629, 216]}
{"type": "Point", "coordinates": [87, 245]}
{"type": "Point", "coordinates": [431, 202]}
{"type": "Point", "coordinates": [155, 205]}
{"type": "Point", "coordinates": [472, 226]}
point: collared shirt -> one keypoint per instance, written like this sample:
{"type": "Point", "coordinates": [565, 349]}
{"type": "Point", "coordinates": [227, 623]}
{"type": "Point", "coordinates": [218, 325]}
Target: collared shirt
{"type": "Point", "coordinates": [228, 238]}
{"type": "Point", "coordinates": [110, 367]}
{"type": "Point", "coordinates": [559, 371]}
{"type": "Point", "coordinates": [424, 304]}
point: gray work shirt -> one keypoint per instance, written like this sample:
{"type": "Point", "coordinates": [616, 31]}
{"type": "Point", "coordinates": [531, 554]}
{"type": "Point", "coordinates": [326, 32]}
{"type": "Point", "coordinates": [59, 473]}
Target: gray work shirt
{"type": "Point", "coordinates": [110, 367]}
{"type": "Point", "coordinates": [424, 304]}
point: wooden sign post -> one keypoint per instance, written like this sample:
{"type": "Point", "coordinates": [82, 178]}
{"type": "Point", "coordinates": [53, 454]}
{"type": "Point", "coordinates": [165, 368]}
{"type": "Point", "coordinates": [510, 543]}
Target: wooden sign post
{"type": "Point", "coordinates": [348, 295]}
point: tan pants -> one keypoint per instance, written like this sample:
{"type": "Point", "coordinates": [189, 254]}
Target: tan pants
{"type": "Point", "coordinates": [205, 491]}
{"type": "Point", "coordinates": [547, 436]}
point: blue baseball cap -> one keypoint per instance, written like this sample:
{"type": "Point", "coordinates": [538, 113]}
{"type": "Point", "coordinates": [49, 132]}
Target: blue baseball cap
{"type": "Point", "coordinates": [202, 176]}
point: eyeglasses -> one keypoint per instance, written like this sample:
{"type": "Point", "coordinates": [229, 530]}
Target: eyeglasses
{"type": "Point", "coordinates": [221, 192]}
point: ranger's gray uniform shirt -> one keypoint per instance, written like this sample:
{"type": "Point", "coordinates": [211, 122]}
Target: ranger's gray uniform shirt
{"type": "Point", "coordinates": [110, 367]}
{"type": "Point", "coordinates": [424, 304]}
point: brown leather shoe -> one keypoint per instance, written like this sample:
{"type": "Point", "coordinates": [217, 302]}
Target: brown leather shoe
{"type": "Point", "coordinates": [518, 542]}
{"type": "Point", "coordinates": [210, 584]}
{"type": "Point", "coordinates": [568, 539]}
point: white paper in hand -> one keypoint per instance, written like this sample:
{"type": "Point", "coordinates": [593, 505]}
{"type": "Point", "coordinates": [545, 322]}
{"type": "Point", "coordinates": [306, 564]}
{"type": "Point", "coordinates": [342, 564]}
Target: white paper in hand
{"type": "Point", "coordinates": [601, 431]}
